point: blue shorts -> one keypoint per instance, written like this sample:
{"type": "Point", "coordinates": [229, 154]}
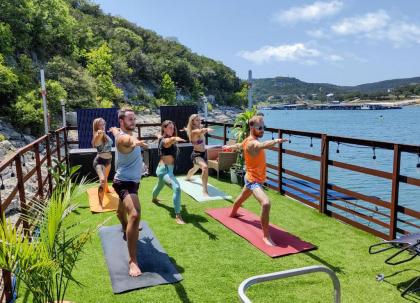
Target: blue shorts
{"type": "Point", "coordinates": [252, 185]}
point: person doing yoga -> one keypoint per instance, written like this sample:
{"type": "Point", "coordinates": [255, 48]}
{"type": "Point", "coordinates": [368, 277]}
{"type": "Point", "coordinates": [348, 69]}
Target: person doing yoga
{"type": "Point", "coordinates": [255, 162]}
{"type": "Point", "coordinates": [198, 157]}
{"type": "Point", "coordinates": [128, 165]}
{"type": "Point", "coordinates": [102, 162]}
{"type": "Point", "coordinates": [168, 152]}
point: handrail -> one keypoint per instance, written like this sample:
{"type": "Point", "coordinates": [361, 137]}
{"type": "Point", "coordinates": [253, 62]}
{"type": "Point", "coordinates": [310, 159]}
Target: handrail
{"type": "Point", "coordinates": [286, 274]}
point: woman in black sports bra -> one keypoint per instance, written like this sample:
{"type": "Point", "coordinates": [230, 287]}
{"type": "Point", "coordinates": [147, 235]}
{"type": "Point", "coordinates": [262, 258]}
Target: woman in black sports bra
{"type": "Point", "coordinates": [168, 152]}
{"type": "Point", "coordinates": [198, 157]}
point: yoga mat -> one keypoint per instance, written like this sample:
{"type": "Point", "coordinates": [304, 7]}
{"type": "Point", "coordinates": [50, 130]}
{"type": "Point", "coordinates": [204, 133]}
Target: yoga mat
{"type": "Point", "coordinates": [110, 202]}
{"type": "Point", "coordinates": [248, 226]}
{"type": "Point", "coordinates": [194, 188]}
{"type": "Point", "coordinates": [152, 259]}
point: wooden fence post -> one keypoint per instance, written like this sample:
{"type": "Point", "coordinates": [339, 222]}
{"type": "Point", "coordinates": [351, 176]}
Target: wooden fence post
{"type": "Point", "coordinates": [49, 164]}
{"type": "Point", "coordinates": [21, 190]}
{"type": "Point", "coordinates": [38, 171]}
{"type": "Point", "coordinates": [280, 162]}
{"type": "Point", "coordinates": [206, 124]}
{"type": "Point", "coordinates": [395, 192]}
{"type": "Point", "coordinates": [66, 148]}
{"type": "Point", "coordinates": [224, 134]}
{"type": "Point", "coordinates": [322, 207]}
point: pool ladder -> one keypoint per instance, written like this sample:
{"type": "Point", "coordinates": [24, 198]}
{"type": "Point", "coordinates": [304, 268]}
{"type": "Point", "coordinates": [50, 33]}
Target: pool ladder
{"type": "Point", "coordinates": [286, 274]}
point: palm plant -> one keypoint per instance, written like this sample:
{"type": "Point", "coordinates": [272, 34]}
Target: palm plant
{"type": "Point", "coordinates": [44, 256]}
{"type": "Point", "coordinates": [241, 130]}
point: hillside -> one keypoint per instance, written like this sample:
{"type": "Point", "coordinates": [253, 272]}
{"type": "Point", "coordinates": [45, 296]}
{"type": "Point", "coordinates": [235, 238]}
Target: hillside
{"type": "Point", "coordinates": [281, 88]}
{"type": "Point", "coordinates": [93, 59]}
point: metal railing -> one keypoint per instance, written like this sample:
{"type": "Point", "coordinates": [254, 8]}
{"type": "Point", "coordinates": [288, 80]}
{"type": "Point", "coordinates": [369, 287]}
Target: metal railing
{"type": "Point", "coordinates": [287, 274]}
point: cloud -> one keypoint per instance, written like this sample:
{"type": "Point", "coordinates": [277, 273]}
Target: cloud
{"type": "Point", "coordinates": [286, 52]}
{"type": "Point", "coordinates": [317, 33]}
{"type": "Point", "coordinates": [298, 52]}
{"type": "Point", "coordinates": [377, 26]}
{"type": "Point", "coordinates": [311, 12]}
{"type": "Point", "coordinates": [334, 58]}
{"type": "Point", "coordinates": [402, 33]}
{"type": "Point", "coordinates": [362, 24]}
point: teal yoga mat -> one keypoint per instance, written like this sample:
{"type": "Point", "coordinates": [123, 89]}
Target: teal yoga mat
{"type": "Point", "coordinates": [194, 188]}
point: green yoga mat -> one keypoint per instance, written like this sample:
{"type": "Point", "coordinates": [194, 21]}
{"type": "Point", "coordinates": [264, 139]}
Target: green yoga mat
{"type": "Point", "coordinates": [194, 188]}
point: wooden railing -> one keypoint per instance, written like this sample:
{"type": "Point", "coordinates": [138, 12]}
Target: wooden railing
{"type": "Point", "coordinates": [390, 212]}
{"type": "Point", "coordinates": [55, 146]}
{"type": "Point", "coordinates": [42, 151]}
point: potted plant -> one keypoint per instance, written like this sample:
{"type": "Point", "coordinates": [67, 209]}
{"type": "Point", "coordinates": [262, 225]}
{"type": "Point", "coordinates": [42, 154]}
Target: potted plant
{"type": "Point", "coordinates": [241, 131]}
{"type": "Point", "coordinates": [44, 256]}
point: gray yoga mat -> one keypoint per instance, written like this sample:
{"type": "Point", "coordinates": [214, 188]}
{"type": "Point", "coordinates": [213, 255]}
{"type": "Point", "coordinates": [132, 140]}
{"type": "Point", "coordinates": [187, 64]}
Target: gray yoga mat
{"type": "Point", "coordinates": [152, 259]}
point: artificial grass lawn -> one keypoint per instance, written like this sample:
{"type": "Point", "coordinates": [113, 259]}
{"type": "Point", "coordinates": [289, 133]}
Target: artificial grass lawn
{"type": "Point", "coordinates": [214, 261]}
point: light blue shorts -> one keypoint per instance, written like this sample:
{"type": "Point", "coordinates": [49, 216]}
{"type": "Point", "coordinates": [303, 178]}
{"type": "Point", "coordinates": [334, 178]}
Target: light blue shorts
{"type": "Point", "coordinates": [252, 185]}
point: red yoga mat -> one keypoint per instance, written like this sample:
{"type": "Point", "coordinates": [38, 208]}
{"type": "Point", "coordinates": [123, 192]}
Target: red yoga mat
{"type": "Point", "coordinates": [248, 226]}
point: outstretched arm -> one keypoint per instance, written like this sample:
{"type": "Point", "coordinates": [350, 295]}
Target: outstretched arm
{"type": "Point", "coordinates": [114, 131]}
{"type": "Point", "coordinates": [234, 147]}
{"type": "Point", "coordinates": [127, 143]}
{"type": "Point", "coordinates": [167, 142]}
{"type": "Point", "coordinates": [202, 131]}
{"type": "Point", "coordinates": [254, 146]}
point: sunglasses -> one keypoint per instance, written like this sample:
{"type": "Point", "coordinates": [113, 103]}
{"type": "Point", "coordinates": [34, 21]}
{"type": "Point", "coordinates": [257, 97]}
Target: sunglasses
{"type": "Point", "coordinates": [259, 128]}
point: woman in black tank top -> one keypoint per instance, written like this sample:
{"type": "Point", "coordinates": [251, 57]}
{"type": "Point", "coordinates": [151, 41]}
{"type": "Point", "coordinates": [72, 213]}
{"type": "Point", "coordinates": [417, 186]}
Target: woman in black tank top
{"type": "Point", "coordinates": [168, 151]}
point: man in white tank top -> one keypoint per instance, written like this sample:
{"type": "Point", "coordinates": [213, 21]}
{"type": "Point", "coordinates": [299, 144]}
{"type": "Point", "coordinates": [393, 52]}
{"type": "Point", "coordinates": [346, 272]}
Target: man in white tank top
{"type": "Point", "coordinates": [127, 181]}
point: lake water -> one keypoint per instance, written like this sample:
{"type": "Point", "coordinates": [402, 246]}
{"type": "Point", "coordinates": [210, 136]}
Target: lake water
{"type": "Point", "coordinates": [397, 126]}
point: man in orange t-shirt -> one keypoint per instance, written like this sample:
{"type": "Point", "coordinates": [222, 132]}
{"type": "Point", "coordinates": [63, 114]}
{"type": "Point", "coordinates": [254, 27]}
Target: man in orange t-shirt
{"type": "Point", "coordinates": [255, 163]}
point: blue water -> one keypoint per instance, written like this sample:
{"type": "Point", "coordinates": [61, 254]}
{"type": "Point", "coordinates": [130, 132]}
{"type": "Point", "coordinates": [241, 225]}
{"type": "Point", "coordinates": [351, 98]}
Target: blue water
{"type": "Point", "coordinates": [397, 126]}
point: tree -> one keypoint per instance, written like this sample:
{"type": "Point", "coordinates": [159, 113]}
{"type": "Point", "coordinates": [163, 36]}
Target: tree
{"type": "Point", "coordinates": [76, 81]}
{"type": "Point", "coordinates": [8, 82]}
{"type": "Point", "coordinates": [6, 38]}
{"type": "Point", "coordinates": [29, 110]}
{"type": "Point", "coordinates": [99, 66]}
{"type": "Point", "coordinates": [168, 89]}
{"type": "Point", "coordinates": [197, 90]}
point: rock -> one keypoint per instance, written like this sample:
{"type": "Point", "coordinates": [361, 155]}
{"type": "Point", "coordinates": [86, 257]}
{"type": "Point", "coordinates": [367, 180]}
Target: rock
{"type": "Point", "coordinates": [6, 147]}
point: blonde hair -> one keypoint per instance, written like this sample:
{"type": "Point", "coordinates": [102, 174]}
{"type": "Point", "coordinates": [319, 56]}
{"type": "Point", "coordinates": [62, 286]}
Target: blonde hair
{"type": "Point", "coordinates": [189, 127]}
{"type": "Point", "coordinates": [95, 127]}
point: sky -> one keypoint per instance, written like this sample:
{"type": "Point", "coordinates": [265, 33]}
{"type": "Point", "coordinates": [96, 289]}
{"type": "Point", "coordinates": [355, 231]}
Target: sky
{"type": "Point", "coordinates": [344, 42]}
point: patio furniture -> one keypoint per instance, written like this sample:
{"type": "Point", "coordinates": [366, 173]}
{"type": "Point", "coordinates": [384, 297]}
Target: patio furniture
{"type": "Point", "coordinates": [409, 245]}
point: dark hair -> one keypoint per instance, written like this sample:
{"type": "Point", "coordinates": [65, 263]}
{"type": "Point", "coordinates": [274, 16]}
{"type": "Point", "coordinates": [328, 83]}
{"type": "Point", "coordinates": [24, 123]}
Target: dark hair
{"type": "Point", "coordinates": [255, 119]}
{"type": "Point", "coordinates": [165, 124]}
{"type": "Point", "coordinates": [123, 111]}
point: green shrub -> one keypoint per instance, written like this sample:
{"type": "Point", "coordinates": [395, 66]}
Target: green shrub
{"type": "Point", "coordinates": [2, 137]}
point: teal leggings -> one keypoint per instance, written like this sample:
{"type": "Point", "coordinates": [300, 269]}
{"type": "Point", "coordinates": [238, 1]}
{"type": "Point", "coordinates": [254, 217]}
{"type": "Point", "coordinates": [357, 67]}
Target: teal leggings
{"type": "Point", "coordinates": [165, 173]}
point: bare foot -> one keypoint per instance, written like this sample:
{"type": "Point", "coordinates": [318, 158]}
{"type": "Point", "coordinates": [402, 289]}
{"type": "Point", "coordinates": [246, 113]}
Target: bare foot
{"type": "Point", "coordinates": [179, 219]}
{"type": "Point", "coordinates": [101, 206]}
{"type": "Point", "coordinates": [156, 200]}
{"type": "Point", "coordinates": [234, 215]}
{"type": "Point", "coordinates": [205, 193]}
{"type": "Point", "coordinates": [134, 269]}
{"type": "Point", "coordinates": [268, 241]}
